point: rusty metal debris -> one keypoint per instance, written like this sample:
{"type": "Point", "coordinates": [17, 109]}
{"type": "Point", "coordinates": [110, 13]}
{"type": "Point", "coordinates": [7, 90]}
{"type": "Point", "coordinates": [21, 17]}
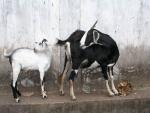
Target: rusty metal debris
{"type": "Point", "coordinates": [125, 88]}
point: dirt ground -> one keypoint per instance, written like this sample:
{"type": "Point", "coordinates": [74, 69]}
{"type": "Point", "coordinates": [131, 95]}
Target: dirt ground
{"type": "Point", "coordinates": [34, 97]}
{"type": "Point", "coordinates": [140, 79]}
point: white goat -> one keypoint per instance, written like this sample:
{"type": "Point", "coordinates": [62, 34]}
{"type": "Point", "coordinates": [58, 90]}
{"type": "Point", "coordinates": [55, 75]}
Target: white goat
{"type": "Point", "coordinates": [38, 58]}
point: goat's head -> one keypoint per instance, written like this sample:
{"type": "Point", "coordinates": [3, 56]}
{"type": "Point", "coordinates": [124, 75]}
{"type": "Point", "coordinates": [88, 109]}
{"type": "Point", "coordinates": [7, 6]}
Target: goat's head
{"type": "Point", "coordinates": [88, 34]}
{"type": "Point", "coordinates": [41, 46]}
{"type": "Point", "coordinates": [92, 37]}
{"type": "Point", "coordinates": [44, 41]}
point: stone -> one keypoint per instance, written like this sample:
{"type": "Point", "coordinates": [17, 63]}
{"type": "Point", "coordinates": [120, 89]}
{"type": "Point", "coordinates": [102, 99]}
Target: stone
{"type": "Point", "coordinates": [27, 83]}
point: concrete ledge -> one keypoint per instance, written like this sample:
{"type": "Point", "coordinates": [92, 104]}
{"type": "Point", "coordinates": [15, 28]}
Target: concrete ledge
{"type": "Point", "coordinates": [137, 102]}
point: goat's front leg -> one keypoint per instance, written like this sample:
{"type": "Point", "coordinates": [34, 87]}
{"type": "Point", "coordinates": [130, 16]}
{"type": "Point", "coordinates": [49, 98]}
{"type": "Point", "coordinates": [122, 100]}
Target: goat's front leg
{"type": "Point", "coordinates": [108, 89]}
{"type": "Point", "coordinates": [104, 71]}
{"type": "Point", "coordinates": [71, 81]}
{"type": "Point", "coordinates": [43, 92]}
{"type": "Point", "coordinates": [112, 80]}
{"type": "Point", "coordinates": [113, 85]}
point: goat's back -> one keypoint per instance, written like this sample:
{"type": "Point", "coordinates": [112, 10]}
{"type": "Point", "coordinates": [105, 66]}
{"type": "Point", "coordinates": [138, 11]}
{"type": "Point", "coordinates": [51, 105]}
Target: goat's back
{"type": "Point", "coordinates": [28, 59]}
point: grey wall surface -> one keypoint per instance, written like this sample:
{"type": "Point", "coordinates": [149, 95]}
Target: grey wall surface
{"type": "Point", "coordinates": [22, 22]}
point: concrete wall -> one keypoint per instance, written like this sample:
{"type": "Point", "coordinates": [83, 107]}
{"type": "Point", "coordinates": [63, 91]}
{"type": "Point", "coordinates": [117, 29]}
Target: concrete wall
{"type": "Point", "coordinates": [22, 22]}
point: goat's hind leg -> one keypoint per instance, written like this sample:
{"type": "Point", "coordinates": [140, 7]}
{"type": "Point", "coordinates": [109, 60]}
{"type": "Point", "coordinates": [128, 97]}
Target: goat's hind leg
{"type": "Point", "coordinates": [61, 82]}
{"type": "Point", "coordinates": [71, 83]}
{"type": "Point", "coordinates": [62, 77]}
{"type": "Point", "coordinates": [67, 64]}
{"type": "Point", "coordinates": [16, 93]}
{"type": "Point", "coordinates": [43, 92]}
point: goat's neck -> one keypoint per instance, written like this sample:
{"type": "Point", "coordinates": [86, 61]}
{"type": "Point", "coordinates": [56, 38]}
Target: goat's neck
{"type": "Point", "coordinates": [44, 52]}
{"type": "Point", "coordinates": [75, 48]}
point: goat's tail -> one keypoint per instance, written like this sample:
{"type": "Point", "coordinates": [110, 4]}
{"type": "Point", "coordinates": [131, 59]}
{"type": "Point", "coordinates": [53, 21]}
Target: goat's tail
{"type": "Point", "coordinates": [61, 42]}
{"type": "Point", "coordinates": [7, 55]}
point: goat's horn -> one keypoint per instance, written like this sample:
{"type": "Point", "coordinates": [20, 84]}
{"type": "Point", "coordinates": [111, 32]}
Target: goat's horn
{"type": "Point", "coordinates": [94, 24]}
{"type": "Point", "coordinates": [44, 40]}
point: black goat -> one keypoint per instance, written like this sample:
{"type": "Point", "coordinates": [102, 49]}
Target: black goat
{"type": "Point", "coordinates": [97, 47]}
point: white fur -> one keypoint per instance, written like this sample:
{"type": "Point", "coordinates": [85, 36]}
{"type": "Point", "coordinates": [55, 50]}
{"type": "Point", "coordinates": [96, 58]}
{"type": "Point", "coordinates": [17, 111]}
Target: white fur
{"type": "Point", "coordinates": [110, 65]}
{"type": "Point", "coordinates": [112, 83]}
{"type": "Point", "coordinates": [38, 58]}
{"type": "Point", "coordinates": [68, 50]}
{"type": "Point", "coordinates": [108, 88]}
{"type": "Point", "coordinates": [95, 39]}
{"type": "Point", "coordinates": [82, 42]}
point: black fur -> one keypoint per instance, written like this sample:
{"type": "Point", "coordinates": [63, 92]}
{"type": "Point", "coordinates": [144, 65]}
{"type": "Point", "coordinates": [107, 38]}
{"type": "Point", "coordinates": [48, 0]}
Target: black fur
{"type": "Point", "coordinates": [72, 75]}
{"type": "Point", "coordinates": [60, 42]}
{"type": "Point", "coordinates": [44, 40]}
{"type": "Point", "coordinates": [10, 59]}
{"type": "Point", "coordinates": [15, 91]}
{"type": "Point", "coordinates": [104, 54]}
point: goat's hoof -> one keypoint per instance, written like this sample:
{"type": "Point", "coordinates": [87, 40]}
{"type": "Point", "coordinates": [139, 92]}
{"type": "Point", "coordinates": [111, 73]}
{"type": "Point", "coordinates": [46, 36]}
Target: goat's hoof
{"type": "Point", "coordinates": [44, 96]}
{"type": "Point", "coordinates": [73, 98]}
{"type": "Point", "coordinates": [17, 100]}
{"type": "Point", "coordinates": [111, 94]}
{"type": "Point", "coordinates": [61, 93]}
{"type": "Point", "coordinates": [115, 92]}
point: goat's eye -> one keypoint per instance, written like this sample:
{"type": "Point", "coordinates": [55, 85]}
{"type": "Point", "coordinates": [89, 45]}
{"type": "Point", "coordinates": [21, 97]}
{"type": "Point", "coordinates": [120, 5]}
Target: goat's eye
{"type": "Point", "coordinates": [40, 43]}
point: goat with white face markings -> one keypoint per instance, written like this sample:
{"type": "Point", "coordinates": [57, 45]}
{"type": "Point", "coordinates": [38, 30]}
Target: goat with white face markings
{"type": "Point", "coordinates": [38, 58]}
{"type": "Point", "coordinates": [95, 46]}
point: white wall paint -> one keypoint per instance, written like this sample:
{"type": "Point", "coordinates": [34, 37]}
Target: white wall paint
{"type": "Point", "coordinates": [22, 22]}
{"type": "Point", "coordinates": [25, 21]}
{"type": "Point", "coordinates": [124, 20]}
{"type": "Point", "coordinates": [69, 17]}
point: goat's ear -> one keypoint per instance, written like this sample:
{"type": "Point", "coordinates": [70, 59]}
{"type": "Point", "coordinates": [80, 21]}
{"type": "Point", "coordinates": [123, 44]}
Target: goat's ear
{"type": "Point", "coordinates": [96, 36]}
{"type": "Point", "coordinates": [44, 40]}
